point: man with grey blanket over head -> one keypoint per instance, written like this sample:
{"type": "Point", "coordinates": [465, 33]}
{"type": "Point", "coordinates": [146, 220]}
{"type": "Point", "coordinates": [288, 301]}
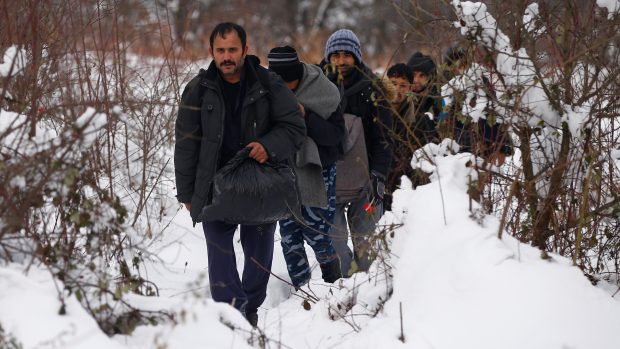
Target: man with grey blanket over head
{"type": "Point", "coordinates": [315, 165]}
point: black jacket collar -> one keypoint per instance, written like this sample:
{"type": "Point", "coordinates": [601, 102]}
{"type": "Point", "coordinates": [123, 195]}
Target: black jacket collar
{"type": "Point", "coordinates": [360, 78]}
{"type": "Point", "coordinates": [211, 76]}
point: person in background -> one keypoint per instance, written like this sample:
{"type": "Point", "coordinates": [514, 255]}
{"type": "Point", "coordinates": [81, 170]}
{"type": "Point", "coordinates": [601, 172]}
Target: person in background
{"type": "Point", "coordinates": [315, 166]}
{"type": "Point", "coordinates": [425, 93]}
{"type": "Point", "coordinates": [412, 128]}
{"type": "Point", "coordinates": [368, 118]}
{"type": "Point", "coordinates": [233, 104]}
{"type": "Point", "coordinates": [486, 137]}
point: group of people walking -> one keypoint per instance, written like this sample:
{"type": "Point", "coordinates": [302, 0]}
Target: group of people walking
{"type": "Point", "coordinates": [348, 135]}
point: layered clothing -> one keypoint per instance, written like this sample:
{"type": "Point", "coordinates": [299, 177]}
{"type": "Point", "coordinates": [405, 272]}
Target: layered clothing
{"type": "Point", "coordinates": [362, 96]}
{"type": "Point", "coordinates": [414, 126]}
{"type": "Point", "coordinates": [267, 113]}
{"type": "Point", "coordinates": [368, 151]}
{"type": "Point", "coordinates": [325, 131]}
{"type": "Point", "coordinates": [216, 119]}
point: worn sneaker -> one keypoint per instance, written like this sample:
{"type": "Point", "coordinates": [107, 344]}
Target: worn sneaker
{"type": "Point", "coordinates": [252, 318]}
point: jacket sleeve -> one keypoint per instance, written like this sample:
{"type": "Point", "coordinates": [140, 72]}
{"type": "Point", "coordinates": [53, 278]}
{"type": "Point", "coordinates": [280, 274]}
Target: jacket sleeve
{"type": "Point", "coordinates": [427, 125]}
{"type": "Point", "coordinates": [288, 129]}
{"type": "Point", "coordinates": [328, 132]}
{"type": "Point", "coordinates": [381, 146]}
{"type": "Point", "coordinates": [188, 134]}
{"type": "Point", "coordinates": [495, 137]}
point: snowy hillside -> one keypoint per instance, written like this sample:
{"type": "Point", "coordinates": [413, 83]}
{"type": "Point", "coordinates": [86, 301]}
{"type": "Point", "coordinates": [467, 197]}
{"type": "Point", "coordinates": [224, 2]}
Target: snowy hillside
{"type": "Point", "coordinates": [458, 284]}
{"type": "Point", "coordinates": [96, 252]}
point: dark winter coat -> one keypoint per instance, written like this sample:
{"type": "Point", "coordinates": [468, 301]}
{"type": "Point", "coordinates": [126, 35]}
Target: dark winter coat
{"type": "Point", "coordinates": [413, 126]}
{"type": "Point", "coordinates": [412, 129]}
{"type": "Point", "coordinates": [270, 115]}
{"type": "Point", "coordinates": [483, 137]}
{"type": "Point", "coordinates": [327, 134]}
{"type": "Point", "coordinates": [362, 97]}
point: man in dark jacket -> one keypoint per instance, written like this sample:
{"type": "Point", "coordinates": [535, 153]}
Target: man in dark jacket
{"type": "Point", "coordinates": [315, 165]}
{"type": "Point", "coordinates": [235, 103]}
{"type": "Point", "coordinates": [363, 104]}
{"type": "Point", "coordinates": [485, 137]}
{"type": "Point", "coordinates": [412, 127]}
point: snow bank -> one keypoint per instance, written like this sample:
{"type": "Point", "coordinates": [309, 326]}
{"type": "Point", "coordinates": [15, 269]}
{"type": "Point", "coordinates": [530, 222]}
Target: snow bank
{"type": "Point", "coordinates": [29, 311]}
{"type": "Point", "coordinates": [462, 287]}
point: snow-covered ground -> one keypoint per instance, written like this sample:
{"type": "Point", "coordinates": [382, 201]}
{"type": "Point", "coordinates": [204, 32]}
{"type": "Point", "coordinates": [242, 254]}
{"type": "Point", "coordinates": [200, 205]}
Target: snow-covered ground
{"type": "Point", "coordinates": [458, 286]}
{"type": "Point", "coordinates": [447, 282]}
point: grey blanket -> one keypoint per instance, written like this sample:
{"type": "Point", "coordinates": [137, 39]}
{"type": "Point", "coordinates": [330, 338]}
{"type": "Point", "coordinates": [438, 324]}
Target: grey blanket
{"type": "Point", "coordinates": [320, 95]}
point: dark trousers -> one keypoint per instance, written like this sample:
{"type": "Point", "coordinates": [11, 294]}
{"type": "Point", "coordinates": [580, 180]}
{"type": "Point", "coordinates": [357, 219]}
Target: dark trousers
{"type": "Point", "coordinates": [249, 292]}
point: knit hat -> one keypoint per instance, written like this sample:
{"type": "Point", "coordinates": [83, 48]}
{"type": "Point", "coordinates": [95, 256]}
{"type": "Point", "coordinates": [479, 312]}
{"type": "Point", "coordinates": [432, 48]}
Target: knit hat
{"type": "Point", "coordinates": [285, 62]}
{"type": "Point", "coordinates": [343, 40]}
{"type": "Point", "coordinates": [423, 63]}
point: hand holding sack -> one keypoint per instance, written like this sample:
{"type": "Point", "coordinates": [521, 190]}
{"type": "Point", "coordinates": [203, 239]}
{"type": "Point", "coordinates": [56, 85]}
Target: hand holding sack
{"type": "Point", "coordinates": [247, 192]}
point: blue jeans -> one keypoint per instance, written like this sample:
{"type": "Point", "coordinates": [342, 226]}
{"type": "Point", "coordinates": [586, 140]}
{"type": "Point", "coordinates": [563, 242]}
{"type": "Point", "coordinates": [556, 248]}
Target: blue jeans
{"type": "Point", "coordinates": [314, 229]}
{"type": "Point", "coordinates": [249, 292]}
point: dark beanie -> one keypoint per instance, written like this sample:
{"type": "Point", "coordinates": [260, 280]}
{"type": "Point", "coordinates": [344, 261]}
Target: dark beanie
{"type": "Point", "coordinates": [423, 63]}
{"type": "Point", "coordinates": [284, 62]}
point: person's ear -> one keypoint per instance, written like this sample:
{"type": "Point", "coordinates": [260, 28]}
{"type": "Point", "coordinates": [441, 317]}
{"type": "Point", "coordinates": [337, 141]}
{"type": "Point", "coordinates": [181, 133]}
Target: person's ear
{"type": "Point", "coordinates": [211, 51]}
{"type": "Point", "coordinates": [245, 50]}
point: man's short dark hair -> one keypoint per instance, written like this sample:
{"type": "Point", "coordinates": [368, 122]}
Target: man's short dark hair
{"type": "Point", "coordinates": [400, 70]}
{"type": "Point", "coordinates": [225, 28]}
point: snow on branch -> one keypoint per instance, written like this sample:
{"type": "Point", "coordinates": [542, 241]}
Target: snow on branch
{"type": "Point", "coordinates": [613, 6]}
{"type": "Point", "coordinates": [13, 62]}
{"type": "Point", "coordinates": [521, 90]}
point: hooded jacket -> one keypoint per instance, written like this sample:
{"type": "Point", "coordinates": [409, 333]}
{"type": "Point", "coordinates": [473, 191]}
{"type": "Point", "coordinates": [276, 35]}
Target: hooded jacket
{"type": "Point", "coordinates": [269, 115]}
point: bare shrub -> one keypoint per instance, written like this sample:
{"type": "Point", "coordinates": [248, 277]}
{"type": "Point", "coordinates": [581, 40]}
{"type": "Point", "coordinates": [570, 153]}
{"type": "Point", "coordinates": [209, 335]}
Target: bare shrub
{"type": "Point", "coordinates": [556, 69]}
{"type": "Point", "coordinates": [85, 137]}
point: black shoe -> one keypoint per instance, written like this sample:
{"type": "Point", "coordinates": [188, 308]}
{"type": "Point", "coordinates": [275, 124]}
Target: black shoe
{"type": "Point", "coordinates": [331, 271]}
{"type": "Point", "coordinates": [252, 318]}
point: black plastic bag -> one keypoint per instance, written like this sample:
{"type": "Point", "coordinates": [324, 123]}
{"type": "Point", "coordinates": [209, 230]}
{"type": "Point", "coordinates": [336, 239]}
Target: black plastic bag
{"type": "Point", "coordinates": [247, 192]}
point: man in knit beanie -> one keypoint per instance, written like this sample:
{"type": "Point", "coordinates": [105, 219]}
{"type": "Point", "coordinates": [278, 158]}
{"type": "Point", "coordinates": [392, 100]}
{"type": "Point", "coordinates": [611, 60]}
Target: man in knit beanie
{"type": "Point", "coordinates": [366, 154]}
{"type": "Point", "coordinates": [343, 47]}
{"type": "Point", "coordinates": [315, 166]}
